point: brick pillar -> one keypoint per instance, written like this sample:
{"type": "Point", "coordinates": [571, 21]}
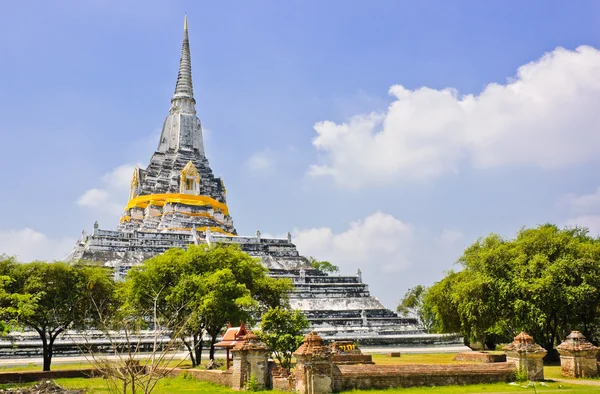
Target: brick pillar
{"type": "Point", "coordinates": [578, 356]}
{"type": "Point", "coordinates": [314, 367]}
{"type": "Point", "coordinates": [250, 359]}
{"type": "Point", "coordinates": [527, 356]}
{"type": "Point", "coordinates": [239, 377]}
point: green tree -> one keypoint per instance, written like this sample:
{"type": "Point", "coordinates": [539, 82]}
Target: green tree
{"type": "Point", "coordinates": [324, 266]}
{"type": "Point", "coordinates": [281, 330]}
{"type": "Point", "coordinates": [413, 304]}
{"type": "Point", "coordinates": [546, 281]}
{"type": "Point", "coordinates": [53, 297]}
{"type": "Point", "coordinates": [205, 287]}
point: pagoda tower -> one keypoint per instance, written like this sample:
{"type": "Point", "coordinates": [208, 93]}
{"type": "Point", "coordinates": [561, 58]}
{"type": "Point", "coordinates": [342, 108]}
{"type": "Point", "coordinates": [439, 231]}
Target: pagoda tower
{"type": "Point", "coordinates": [176, 202]}
{"type": "Point", "coordinates": [178, 191]}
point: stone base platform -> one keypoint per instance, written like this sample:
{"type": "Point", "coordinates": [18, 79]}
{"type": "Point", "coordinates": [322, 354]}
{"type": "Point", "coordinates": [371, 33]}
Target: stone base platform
{"type": "Point", "coordinates": [480, 357]}
{"type": "Point", "coordinates": [359, 377]}
{"type": "Point", "coordinates": [337, 307]}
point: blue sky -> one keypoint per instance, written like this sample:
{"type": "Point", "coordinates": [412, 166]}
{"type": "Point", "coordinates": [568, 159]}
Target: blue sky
{"type": "Point", "coordinates": [367, 128]}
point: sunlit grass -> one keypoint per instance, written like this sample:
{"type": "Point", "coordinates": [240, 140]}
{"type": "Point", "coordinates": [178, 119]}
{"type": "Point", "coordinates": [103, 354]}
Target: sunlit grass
{"type": "Point", "coordinates": [428, 358]}
{"type": "Point", "coordinates": [190, 385]}
{"type": "Point", "coordinates": [183, 385]}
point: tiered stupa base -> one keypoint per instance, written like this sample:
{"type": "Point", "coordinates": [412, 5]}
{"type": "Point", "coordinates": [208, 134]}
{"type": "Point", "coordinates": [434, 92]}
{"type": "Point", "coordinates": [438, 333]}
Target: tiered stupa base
{"type": "Point", "coordinates": [338, 307]}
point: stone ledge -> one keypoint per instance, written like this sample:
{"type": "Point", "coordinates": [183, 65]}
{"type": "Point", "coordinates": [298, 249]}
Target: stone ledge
{"type": "Point", "coordinates": [480, 357]}
{"type": "Point", "coordinates": [34, 376]}
{"type": "Point", "coordinates": [349, 377]}
{"type": "Point", "coordinates": [214, 376]}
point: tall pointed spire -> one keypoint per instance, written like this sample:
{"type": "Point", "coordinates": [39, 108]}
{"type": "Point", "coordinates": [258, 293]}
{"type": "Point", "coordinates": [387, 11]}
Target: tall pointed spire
{"type": "Point", "coordinates": [184, 88]}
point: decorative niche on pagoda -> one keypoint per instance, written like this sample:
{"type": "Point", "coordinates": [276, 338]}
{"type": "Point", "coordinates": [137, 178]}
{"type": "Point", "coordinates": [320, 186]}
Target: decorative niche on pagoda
{"type": "Point", "coordinates": [178, 191]}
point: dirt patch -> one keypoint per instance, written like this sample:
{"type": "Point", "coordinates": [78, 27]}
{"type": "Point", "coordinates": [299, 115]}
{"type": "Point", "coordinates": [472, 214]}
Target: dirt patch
{"type": "Point", "coordinates": [43, 387]}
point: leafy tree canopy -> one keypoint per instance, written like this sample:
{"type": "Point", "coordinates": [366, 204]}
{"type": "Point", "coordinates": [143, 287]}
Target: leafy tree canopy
{"type": "Point", "coordinates": [546, 281]}
{"type": "Point", "coordinates": [206, 287]}
{"type": "Point", "coordinates": [412, 304]}
{"type": "Point", "coordinates": [281, 331]}
{"type": "Point", "coordinates": [53, 297]}
{"type": "Point", "coordinates": [324, 266]}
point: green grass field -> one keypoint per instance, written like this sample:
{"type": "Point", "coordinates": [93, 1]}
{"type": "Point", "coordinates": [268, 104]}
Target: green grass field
{"type": "Point", "coordinates": [189, 385]}
{"type": "Point", "coordinates": [181, 385]}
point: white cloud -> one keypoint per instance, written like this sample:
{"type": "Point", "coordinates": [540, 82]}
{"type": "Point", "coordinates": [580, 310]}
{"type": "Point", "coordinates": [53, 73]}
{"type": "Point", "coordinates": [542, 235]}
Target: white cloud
{"type": "Point", "coordinates": [586, 203]}
{"type": "Point", "coordinates": [28, 245]}
{"type": "Point", "coordinates": [111, 197]}
{"type": "Point", "coordinates": [546, 116]}
{"type": "Point", "coordinates": [585, 210]}
{"type": "Point", "coordinates": [380, 241]}
{"type": "Point", "coordinates": [94, 198]}
{"type": "Point", "coordinates": [592, 222]}
{"type": "Point", "coordinates": [260, 161]}
{"type": "Point", "coordinates": [448, 237]}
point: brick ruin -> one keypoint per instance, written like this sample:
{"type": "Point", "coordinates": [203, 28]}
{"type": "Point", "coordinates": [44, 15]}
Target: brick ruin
{"type": "Point", "coordinates": [319, 371]}
{"type": "Point", "coordinates": [177, 201]}
{"type": "Point", "coordinates": [578, 357]}
{"type": "Point", "coordinates": [527, 356]}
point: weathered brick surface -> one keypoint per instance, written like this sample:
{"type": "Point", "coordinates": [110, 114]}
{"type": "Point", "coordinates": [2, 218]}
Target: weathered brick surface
{"type": "Point", "coordinates": [526, 355]}
{"type": "Point", "coordinates": [348, 377]}
{"type": "Point", "coordinates": [280, 378]}
{"type": "Point", "coordinates": [34, 376]}
{"type": "Point", "coordinates": [578, 357]}
{"type": "Point", "coordinates": [214, 376]}
{"type": "Point", "coordinates": [480, 357]}
{"type": "Point", "coordinates": [352, 359]}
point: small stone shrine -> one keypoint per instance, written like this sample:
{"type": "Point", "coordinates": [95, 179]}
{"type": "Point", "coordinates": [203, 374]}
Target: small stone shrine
{"type": "Point", "coordinates": [527, 356]}
{"type": "Point", "coordinates": [250, 360]}
{"type": "Point", "coordinates": [176, 201]}
{"type": "Point", "coordinates": [314, 368]}
{"type": "Point", "coordinates": [578, 357]}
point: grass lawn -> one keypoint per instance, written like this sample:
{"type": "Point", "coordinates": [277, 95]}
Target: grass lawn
{"type": "Point", "coordinates": [485, 388]}
{"type": "Point", "coordinates": [80, 365]}
{"type": "Point", "coordinates": [433, 358]}
{"type": "Point", "coordinates": [183, 385]}
{"type": "Point", "coordinates": [165, 386]}
{"type": "Point", "coordinates": [190, 385]}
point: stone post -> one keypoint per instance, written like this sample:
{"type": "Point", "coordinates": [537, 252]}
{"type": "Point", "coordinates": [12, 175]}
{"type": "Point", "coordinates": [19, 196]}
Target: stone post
{"type": "Point", "coordinates": [527, 356]}
{"type": "Point", "coordinates": [250, 360]}
{"type": "Point", "coordinates": [314, 368]}
{"type": "Point", "coordinates": [578, 357]}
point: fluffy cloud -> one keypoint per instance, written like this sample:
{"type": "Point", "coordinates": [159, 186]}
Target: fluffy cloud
{"type": "Point", "coordinates": [592, 222]}
{"type": "Point", "coordinates": [586, 203]}
{"type": "Point", "coordinates": [546, 116]}
{"type": "Point", "coordinates": [380, 241]}
{"type": "Point", "coordinates": [28, 245]}
{"type": "Point", "coordinates": [585, 210]}
{"type": "Point", "coordinates": [111, 197]}
{"type": "Point", "coordinates": [448, 237]}
{"type": "Point", "coordinates": [259, 161]}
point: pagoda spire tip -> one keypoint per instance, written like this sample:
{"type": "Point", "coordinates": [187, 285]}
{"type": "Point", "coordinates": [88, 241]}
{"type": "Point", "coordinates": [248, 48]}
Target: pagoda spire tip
{"type": "Point", "coordinates": [185, 22]}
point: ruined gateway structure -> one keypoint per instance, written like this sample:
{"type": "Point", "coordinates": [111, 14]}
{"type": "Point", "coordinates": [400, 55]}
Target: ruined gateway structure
{"type": "Point", "coordinates": [177, 201]}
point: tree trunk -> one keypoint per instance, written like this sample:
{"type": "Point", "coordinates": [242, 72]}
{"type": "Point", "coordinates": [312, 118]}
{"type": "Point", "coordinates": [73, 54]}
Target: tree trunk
{"type": "Point", "coordinates": [198, 342]}
{"type": "Point", "coordinates": [132, 383]}
{"type": "Point", "coordinates": [213, 340]}
{"type": "Point", "coordinates": [45, 349]}
{"type": "Point", "coordinates": [190, 351]}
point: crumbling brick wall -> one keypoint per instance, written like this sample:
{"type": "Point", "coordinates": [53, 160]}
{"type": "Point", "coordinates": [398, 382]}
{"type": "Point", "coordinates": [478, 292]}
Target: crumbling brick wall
{"type": "Point", "coordinates": [365, 376]}
{"type": "Point", "coordinates": [480, 357]}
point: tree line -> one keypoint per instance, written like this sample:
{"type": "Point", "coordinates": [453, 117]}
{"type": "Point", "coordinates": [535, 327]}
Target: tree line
{"type": "Point", "coordinates": [195, 292]}
{"type": "Point", "coordinates": [545, 281]}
